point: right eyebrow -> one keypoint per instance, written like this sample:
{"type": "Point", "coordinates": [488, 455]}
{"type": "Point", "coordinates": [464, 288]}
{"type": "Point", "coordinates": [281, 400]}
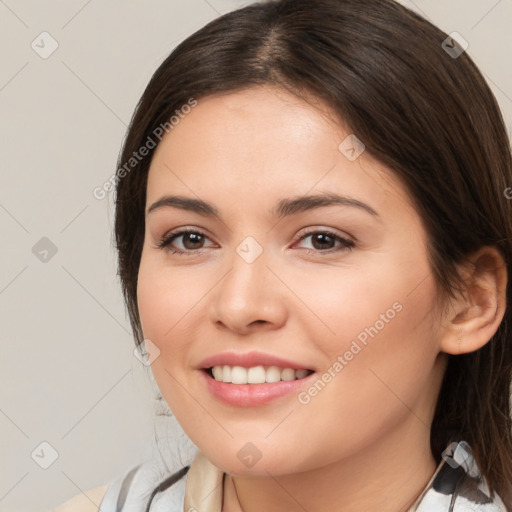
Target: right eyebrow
{"type": "Point", "coordinates": [185, 203]}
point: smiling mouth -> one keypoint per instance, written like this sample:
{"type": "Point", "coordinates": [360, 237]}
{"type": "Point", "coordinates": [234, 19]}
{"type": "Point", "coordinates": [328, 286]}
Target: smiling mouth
{"type": "Point", "coordinates": [255, 374]}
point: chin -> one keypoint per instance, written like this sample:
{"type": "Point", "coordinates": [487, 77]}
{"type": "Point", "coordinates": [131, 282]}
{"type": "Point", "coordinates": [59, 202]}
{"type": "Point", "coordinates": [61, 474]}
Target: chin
{"type": "Point", "coordinates": [249, 461]}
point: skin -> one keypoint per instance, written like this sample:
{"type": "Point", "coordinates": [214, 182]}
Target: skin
{"type": "Point", "coordinates": [362, 443]}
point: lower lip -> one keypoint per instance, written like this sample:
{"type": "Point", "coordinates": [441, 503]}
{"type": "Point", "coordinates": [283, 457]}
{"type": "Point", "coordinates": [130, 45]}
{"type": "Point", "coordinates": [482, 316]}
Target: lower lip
{"type": "Point", "coordinates": [252, 395]}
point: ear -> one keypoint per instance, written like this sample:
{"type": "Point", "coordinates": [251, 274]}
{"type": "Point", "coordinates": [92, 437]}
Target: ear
{"type": "Point", "coordinates": [472, 319]}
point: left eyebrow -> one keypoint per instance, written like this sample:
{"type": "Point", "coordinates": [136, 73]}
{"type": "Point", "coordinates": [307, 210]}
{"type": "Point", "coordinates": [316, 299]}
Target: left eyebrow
{"type": "Point", "coordinates": [285, 207]}
{"type": "Point", "coordinates": [298, 204]}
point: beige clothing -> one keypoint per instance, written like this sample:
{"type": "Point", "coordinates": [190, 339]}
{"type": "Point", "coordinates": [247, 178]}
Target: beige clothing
{"type": "Point", "coordinates": [455, 486]}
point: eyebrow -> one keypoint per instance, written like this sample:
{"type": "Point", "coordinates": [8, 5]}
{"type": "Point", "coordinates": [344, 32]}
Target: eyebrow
{"type": "Point", "coordinates": [284, 208]}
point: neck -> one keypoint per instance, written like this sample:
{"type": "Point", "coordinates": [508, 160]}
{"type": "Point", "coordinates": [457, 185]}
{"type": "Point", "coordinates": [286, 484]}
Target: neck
{"type": "Point", "coordinates": [387, 475]}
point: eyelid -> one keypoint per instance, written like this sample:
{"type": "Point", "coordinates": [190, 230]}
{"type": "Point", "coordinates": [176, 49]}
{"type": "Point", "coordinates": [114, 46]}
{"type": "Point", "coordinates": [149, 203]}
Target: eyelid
{"type": "Point", "coordinates": [169, 236]}
{"type": "Point", "coordinates": [346, 242]}
{"type": "Point", "coordinates": [322, 229]}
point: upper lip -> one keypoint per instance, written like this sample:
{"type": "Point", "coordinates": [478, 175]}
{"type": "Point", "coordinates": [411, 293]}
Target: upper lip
{"type": "Point", "coordinates": [250, 359]}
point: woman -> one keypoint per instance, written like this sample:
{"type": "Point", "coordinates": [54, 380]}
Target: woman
{"type": "Point", "coordinates": [314, 248]}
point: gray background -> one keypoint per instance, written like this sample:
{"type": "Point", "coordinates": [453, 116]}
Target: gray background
{"type": "Point", "coordinates": [69, 376]}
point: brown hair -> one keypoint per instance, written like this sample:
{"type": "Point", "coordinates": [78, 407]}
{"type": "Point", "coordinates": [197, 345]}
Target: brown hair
{"type": "Point", "coordinates": [428, 116]}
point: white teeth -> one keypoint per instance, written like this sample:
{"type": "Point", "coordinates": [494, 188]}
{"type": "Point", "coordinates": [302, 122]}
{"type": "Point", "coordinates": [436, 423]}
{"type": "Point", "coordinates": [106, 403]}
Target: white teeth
{"type": "Point", "coordinates": [238, 375]}
{"type": "Point", "coordinates": [287, 374]}
{"type": "Point", "coordinates": [256, 374]}
{"type": "Point", "coordinates": [218, 372]}
{"type": "Point", "coordinates": [301, 373]}
{"type": "Point", "coordinates": [273, 374]}
{"type": "Point", "coordinates": [226, 373]}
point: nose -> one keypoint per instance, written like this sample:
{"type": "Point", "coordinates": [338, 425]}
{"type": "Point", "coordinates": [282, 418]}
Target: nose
{"type": "Point", "coordinates": [249, 297]}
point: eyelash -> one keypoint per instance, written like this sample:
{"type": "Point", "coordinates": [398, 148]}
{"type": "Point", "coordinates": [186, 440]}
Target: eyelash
{"type": "Point", "coordinates": [170, 237]}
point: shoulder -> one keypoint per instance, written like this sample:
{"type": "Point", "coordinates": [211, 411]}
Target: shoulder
{"type": "Point", "coordinates": [89, 501]}
{"type": "Point", "coordinates": [135, 488]}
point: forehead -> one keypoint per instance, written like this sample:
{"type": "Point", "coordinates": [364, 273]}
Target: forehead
{"type": "Point", "coordinates": [265, 142]}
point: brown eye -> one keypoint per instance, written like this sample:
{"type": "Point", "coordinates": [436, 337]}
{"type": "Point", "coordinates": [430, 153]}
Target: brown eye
{"type": "Point", "coordinates": [191, 241]}
{"type": "Point", "coordinates": [322, 241]}
{"type": "Point", "coordinates": [325, 241]}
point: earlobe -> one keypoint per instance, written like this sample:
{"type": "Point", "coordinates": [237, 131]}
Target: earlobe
{"type": "Point", "coordinates": [473, 318]}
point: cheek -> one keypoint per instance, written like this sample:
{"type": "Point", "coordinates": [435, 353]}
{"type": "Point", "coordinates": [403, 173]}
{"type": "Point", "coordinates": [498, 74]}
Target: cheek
{"type": "Point", "coordinates": [151, 298]}
{"type": "Point", "coordinates": [164, 300]}
{"type": "Point", "coordinates": [380, 321]}
{"type": "Point", "coordinates": [340, 304]}
{"type": "Point", "coordinates": [378, 385]}
{"type": "Point", "coordinates": [163, 305]}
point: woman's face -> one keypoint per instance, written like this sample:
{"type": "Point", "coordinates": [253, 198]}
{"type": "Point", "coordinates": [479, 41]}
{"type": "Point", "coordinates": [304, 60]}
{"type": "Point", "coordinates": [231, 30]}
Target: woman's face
{"type": "Point", "coordinates": [271, 277]}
